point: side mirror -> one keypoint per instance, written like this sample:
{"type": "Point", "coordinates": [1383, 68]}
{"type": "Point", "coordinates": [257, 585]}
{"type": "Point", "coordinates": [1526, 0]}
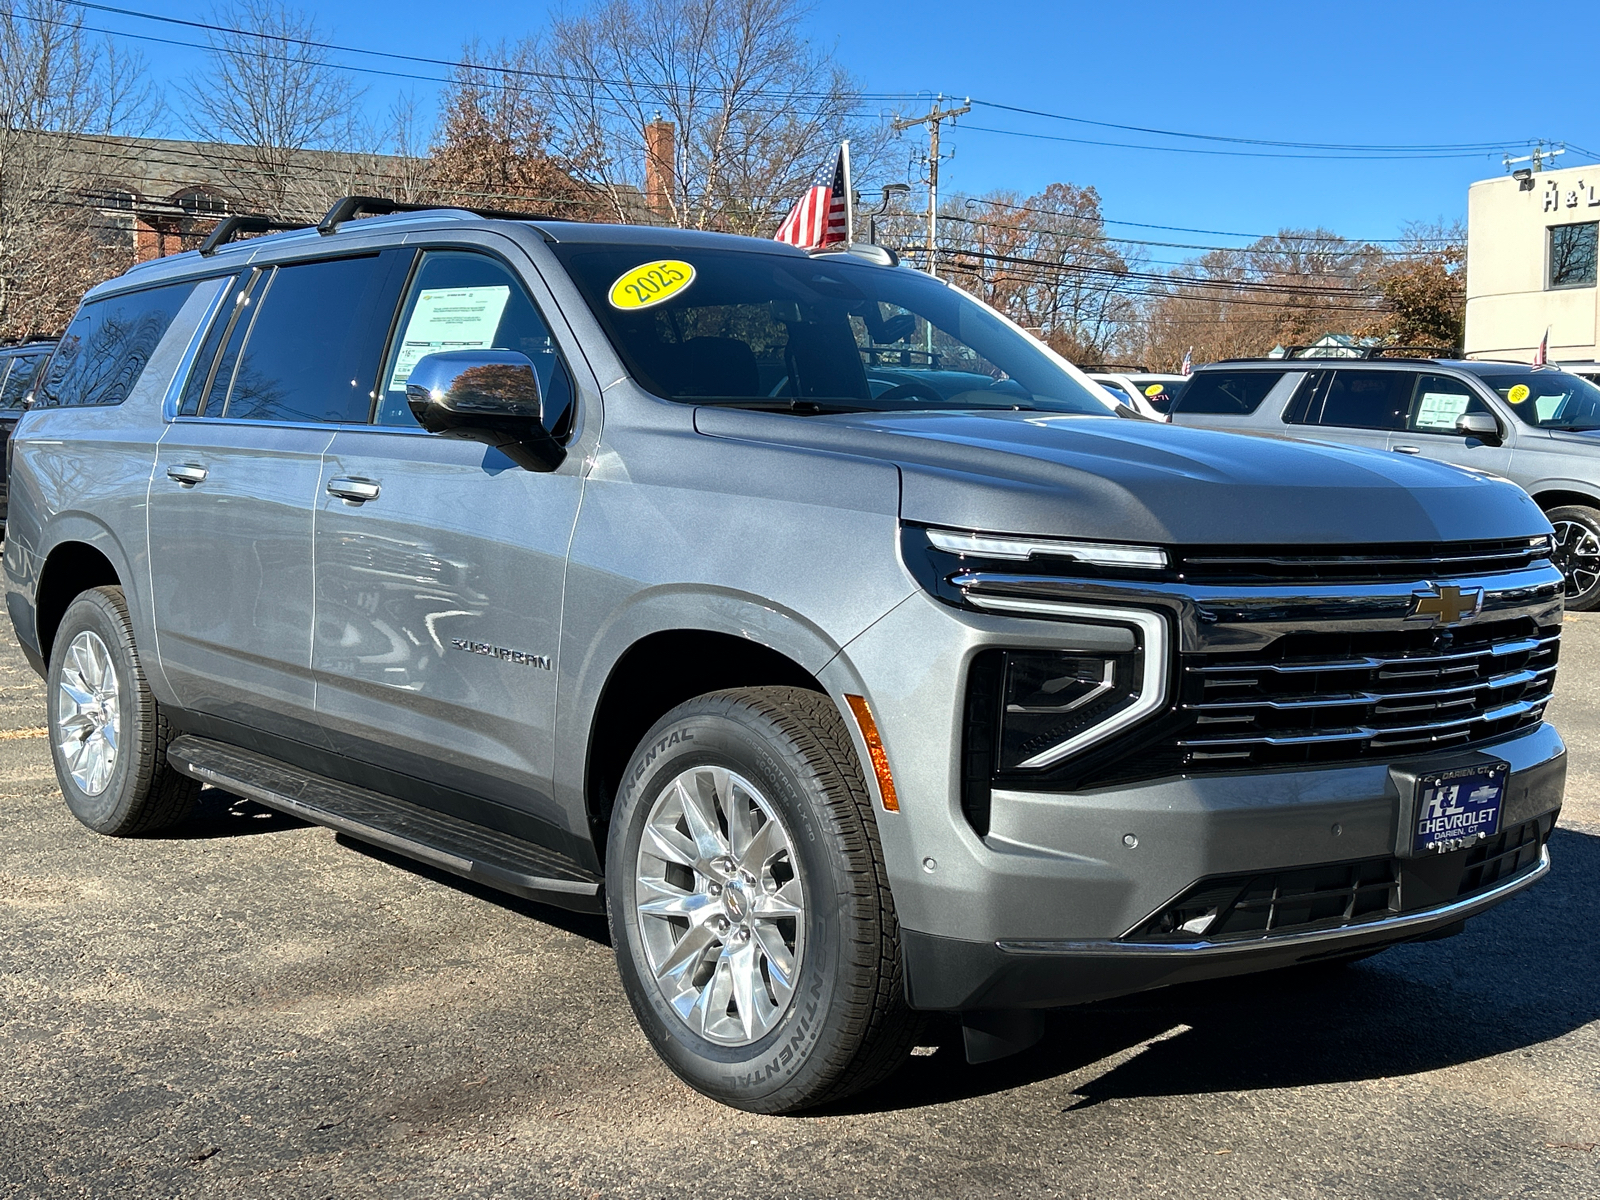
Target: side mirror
{"type": "Point", "coordinates": [1479, 425]}
{"type": "Point", "coordinates": [488, 396]}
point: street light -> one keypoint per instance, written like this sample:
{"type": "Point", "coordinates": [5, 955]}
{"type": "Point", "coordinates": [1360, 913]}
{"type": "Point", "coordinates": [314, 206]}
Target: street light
{"type": "Point", "coordinates": [890, 191]}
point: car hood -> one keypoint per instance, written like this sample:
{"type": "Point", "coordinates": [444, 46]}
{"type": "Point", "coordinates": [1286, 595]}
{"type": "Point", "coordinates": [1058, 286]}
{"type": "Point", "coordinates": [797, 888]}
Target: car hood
{"type": "Point", "coordinates": [1119, 480]}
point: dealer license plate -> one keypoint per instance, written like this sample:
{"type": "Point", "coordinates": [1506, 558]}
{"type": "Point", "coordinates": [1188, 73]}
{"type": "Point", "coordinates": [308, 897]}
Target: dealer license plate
{"type": "Point", "coordinates": [1456, 808]}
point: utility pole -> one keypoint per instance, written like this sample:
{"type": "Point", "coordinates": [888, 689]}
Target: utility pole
{"type": "Point", "coordinates": [936, 117]}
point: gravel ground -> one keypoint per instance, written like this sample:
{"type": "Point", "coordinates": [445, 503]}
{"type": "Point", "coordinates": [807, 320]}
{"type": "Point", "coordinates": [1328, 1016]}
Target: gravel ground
{"type": "Point", "coordinates": [253, 1007]}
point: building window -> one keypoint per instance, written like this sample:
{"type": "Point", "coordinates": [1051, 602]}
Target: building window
{"type": "Point", "coordinates": [198, 202]}
{"type": "Point", "coordinates": [1572, 255]}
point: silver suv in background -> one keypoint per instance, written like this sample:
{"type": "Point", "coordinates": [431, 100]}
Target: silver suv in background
{"type": "Point", "coordinates": [798, 611]}
{"type": "Point", "coordinates": [1536, 426]}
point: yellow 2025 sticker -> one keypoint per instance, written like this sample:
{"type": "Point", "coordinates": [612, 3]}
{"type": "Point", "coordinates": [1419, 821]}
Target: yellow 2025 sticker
{"type": "Point", "coordinates": [1155, 389]}
{"type": "Point", "coordinates": [650, 283]}
{"type": "Point", "coordinates": [1518, 394]}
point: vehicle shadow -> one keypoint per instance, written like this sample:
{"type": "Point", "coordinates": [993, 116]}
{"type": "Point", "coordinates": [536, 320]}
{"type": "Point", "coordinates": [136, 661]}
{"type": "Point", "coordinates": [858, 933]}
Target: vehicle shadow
{"type": "Point", "coordinates": [219, 814]}
{"type": "Point", "coordinates": [585, 925]}
{"type": "Point", "coordinates": [1519, 975]}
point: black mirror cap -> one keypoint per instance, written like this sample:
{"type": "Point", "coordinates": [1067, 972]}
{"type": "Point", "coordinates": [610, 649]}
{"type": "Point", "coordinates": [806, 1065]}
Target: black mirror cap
{"type": "Point", "coordinates": [488, 396]}
{"type": "Point", "coordinates": [1482, 426]}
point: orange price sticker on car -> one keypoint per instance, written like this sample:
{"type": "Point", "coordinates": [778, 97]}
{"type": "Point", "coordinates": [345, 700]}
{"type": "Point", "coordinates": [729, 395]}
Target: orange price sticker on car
{"type": "Point", "coordinates": [651, 283]}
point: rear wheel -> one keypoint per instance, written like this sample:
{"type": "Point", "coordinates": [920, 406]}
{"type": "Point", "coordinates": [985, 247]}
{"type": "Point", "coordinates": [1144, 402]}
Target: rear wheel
{"type": "Point", "coordinates": [749, 906]}
{"type": "Point", "coordinates": [107, 735]}
{"type": "Point", "coordinates": [1578, 554]}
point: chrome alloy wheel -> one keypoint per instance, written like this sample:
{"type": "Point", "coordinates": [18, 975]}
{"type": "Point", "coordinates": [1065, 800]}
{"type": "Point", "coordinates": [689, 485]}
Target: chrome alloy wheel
{"type": "Point", "coordinates": [1577, 556]}
{"type": "Point", "coordinates": [89, 713]}
{"type": "Point", "coordinates": [720, 905]}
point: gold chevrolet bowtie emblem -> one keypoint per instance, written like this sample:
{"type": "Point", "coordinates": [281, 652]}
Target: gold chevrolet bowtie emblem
{"type": "Point", "coordinates": [1446, 606]}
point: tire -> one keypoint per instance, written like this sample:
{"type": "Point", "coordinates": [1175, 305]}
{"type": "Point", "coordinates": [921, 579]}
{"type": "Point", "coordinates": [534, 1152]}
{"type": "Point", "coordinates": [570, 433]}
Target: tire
{"type": "Point", "coordinates": [777, 755]}
{"type": "Point", "coordinates": [1578, 554]}
{"type": "Point", "coordinates": [132, 790]}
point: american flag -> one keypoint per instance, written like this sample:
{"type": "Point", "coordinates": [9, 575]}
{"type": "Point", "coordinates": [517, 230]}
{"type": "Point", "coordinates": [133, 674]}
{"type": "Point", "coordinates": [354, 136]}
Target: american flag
{"type": "Point", "coordinates": [1541, 357]}
{"type": "Point", "coordinates": [1188, 361]}
{"type": "Point", "coordinates": [822, 218]}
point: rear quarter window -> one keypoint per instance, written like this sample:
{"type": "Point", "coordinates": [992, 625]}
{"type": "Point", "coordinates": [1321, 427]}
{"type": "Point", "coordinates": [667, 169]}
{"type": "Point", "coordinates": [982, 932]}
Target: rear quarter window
{"type": "Point", "coordinates": [1226, 393]}
{"type": "Point", "coordinates": [105, 349]}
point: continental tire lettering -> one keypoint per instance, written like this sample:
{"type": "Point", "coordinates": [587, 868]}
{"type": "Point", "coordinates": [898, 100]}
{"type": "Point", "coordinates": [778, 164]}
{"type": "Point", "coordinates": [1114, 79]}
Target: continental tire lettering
{"type": "Point", "coordinates": [671, 739]}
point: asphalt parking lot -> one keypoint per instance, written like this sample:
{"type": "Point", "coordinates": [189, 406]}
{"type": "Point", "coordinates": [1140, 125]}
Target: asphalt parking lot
{"type": "Point", "coordinates": [251, 1007]}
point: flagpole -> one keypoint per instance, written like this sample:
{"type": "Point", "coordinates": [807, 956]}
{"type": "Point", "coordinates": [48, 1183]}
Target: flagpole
{"type": "Point", "coordinates": [849, 197]}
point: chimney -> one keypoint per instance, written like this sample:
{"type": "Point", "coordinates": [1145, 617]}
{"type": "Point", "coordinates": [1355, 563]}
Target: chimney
{"type": "Point", "coordinates": [660, 165]}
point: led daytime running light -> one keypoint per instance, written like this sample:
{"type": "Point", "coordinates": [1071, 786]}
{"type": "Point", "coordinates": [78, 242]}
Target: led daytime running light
{"type": "Point", "coordinates": [1098, 554]}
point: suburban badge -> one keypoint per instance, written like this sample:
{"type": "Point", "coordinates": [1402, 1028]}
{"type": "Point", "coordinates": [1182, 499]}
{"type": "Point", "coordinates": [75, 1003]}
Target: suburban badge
{"type": "Point", "coordinates": [521, 657]}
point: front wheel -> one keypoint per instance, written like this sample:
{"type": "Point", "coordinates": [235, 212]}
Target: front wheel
{"type": "Point", "coordinates": [107, 734]}
{"type": "Point", "coordinates": [1577, 554]}
{"type": "Point", "coordinates": [749, 906]}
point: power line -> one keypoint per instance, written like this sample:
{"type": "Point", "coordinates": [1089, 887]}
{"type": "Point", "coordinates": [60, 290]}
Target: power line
{"type": "Point", "coordinates": [1214, 137]}
{"type": "Point", "coordinates": [1052, 137]}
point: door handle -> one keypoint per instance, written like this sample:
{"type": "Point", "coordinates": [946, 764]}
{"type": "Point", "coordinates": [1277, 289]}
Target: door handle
{"type": "Point", "coordinates": [186, 474]}
{"type": "Point", "coordinates": [1406, 449]}
{"type": "Point", "coordinates": [355, 491]}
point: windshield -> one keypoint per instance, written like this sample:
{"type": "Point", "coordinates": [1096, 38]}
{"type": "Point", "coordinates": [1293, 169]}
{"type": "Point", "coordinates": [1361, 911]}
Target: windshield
{"type": "Point", "coordinates": [755, 329]}
{"type": "Point", "coordinates": [1548, 399]}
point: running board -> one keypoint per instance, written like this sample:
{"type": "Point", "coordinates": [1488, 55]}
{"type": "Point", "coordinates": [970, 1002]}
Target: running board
{"type": "Point", "coordinates": [472, 851]}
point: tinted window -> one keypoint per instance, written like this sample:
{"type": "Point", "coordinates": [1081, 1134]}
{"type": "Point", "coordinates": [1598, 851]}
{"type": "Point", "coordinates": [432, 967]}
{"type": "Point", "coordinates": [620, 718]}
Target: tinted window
{"type": "Point", "coordinates": [105, 349]}
{"type": "Point", "coordinates": [1226, 393]}
{"type": "Point", "coordinates": [1572, 254]}
{"type": "Point", "coordinates": [462, 301]}
{"type": "Point", "coordinates": [1548, 398]}
{"type": "Point", "coordinates": [1439, 402]}
{"type": "Point", "coordinates": [231, 320]}
{"type": "Point", "coordinates": [23, 369]}
{"type": "Point", "coordinates": [1364, 400]}
{"type": "Point", "coordinates": [798, 333]}
{"type": "Point", "coordinates": [311, 352]}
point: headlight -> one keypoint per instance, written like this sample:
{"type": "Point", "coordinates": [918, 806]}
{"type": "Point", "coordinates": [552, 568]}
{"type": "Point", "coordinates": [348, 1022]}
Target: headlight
{"type": "Point", "coordinates": [1049, 704]}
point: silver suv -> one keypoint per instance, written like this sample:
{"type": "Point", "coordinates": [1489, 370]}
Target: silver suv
{"type": "Point", "coordinates": [800, 612]}
{"type": "Point", "coordinates": [1536, 426]}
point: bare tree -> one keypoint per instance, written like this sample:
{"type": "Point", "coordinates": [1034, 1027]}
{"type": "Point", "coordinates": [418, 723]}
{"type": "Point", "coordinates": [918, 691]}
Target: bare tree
{"type": "Point", "coordinates": [755, 110]}
{"type": "Point", "coordinates": [56, 85]}
{"type": "Point", "coordinates": [272, 93]}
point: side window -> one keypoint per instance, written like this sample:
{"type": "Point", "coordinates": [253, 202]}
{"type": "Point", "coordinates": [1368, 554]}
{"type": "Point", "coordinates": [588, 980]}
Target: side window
{"type": "Point", "coordinates": [1439, 401]}
{"type": "Point", "coordinates": [464, 301]}
{"type": "Point", "coordinates": [1365, 400]}
{"type": "Point", "coordinates": [105, 349]}
{"type": "Point", "coordinates": [23, 368]}
{"type": "Point", "coordinates": [1226, 393]}
{"type": "Point", "coordinates": [312, 348]}
{"type": "Point", "coordinates": [229, 326]}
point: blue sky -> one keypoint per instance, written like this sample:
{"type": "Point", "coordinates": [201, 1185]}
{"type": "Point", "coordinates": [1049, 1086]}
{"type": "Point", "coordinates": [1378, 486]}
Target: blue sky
{"type": "Point", "coordinates": [1358, 73]}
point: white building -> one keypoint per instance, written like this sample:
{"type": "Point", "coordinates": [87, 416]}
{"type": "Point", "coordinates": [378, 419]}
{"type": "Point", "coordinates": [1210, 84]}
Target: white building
{"type": "Point", "coordinates": [1531, 265]}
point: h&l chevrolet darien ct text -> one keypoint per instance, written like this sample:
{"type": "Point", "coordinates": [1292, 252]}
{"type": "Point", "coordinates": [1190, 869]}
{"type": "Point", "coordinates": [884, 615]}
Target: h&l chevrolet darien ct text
{"type": "Point", "coordinates": [798, 611]}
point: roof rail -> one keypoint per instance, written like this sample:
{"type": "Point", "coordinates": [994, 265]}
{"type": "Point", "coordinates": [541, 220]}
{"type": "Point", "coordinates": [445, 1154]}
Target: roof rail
{"type": "Point", "coordinates": [1367, 353]}
{"type": "Point", "coordinates": [348, 208]}
{"type": "Point", "coordinates": [1115, 368]}
{"type": "Point", "coordinates": [228, 227]}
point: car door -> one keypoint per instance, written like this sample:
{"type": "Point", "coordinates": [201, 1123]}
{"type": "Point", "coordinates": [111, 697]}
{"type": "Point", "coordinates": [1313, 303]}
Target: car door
{"type": "Point", "coordinates": [1356, 406]}
{"type": "Point", "coordinates": [440, 566]}
{"type": "Point", "coordinates": [1430, 430]}
{"type": "Point", "coordinates": [233, 493]}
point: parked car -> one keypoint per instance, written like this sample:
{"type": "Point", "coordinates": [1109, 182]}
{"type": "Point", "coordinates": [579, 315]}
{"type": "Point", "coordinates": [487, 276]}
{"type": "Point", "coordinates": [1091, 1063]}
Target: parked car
{"type": "Point", "coordinates": [1589, 370]}
{"type": "Point", "coordinates": [1536, 426]}
{"type": "Point", "coordinates": [596, 564]}
{"type": "Point", "coordinates": [1149, 393]}
{"type": "Point", "coordinates": [19, 363]}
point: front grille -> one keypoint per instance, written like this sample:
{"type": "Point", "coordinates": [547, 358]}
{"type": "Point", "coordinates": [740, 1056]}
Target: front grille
{"type": "Point", "coordinates": [1316, 697]}
{"type": "Point", "coordinates": [1234, 908]}
{"type": "Point", "coordinates": [1265, 565]}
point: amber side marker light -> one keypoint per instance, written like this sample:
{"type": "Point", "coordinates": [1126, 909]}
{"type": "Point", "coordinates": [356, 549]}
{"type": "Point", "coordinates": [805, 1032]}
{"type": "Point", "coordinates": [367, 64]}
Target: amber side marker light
{"type": "Point", "coordinates": [880, 759]}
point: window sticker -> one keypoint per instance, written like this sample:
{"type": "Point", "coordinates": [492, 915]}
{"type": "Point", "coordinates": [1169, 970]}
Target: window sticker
{"type": "Point", "coordinates": [449, 319]}
{"type": "Point", "coordinates": [1155, 389]}
{"type": "Point", "coordinates": [1518, 394]}
{"type": "Point", "coordinates": [650, 283]}
{"type": "Point", "coordinates": [1439, 410]}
